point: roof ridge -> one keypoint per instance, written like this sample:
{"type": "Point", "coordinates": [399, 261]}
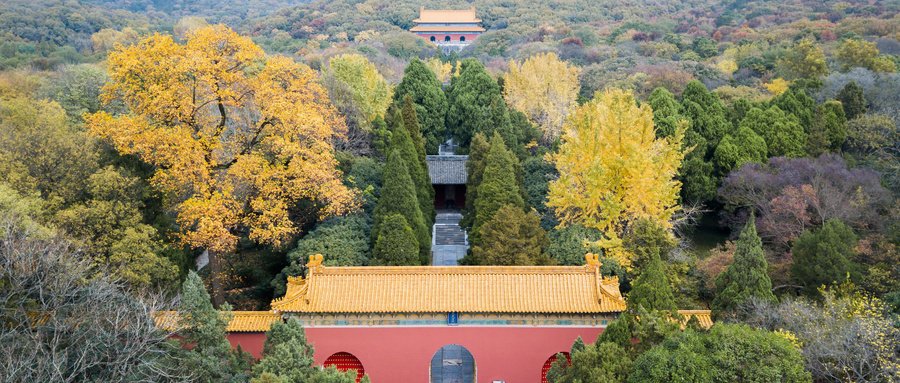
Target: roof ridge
{"type": "Point", "coordinates": [431, 270]}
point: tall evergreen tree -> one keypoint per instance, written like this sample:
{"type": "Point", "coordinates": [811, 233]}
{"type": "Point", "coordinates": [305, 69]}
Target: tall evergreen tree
{"type": "Point", "coordinates": [396, 244]}
{"type": "Point", "coordinates": [707, 114]}
{"type": "Point", "coordinates": [202, 326]}
{"type": "Point", "coordinates": [286, 354]}
{"type": "Point", "coordinates": [398, 196]}
{"type": "Point", "coordinates": [853, 100]}
{"type": "Point", "coordinates": [512, 237]}
{"type": "Point", "coordinates": [498, 187]}
{"type": "Point", "coordinates": [411, 123]}
{"type": "Point", "coordinates": [828, 130]}
{"type": "Point", "coordinates": [478, 151]}
{"type": "Point", "coordinates": [798, 103]}
{"type": "Point", "coordinates": [421, 84]}
{"type": "Point", "coordinates": [651, 290]}
{"type": "Point", "coordinates": [823, 256]}
{"type": "Point", "coordinates": [747, 277]}
{"type": "Point", "coordinates": [666, 111]}
{"type": "Point", "coordinates": [782, 131]}
{"type": "Point", "coordinates": [740, 148]}
{"type": "Point", "coordinates": [415, 164]}
{"type": "Point", "coordinates": [474, 103]}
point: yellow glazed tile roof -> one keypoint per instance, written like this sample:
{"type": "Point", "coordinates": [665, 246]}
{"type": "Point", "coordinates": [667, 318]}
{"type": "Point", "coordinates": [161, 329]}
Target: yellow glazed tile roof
{"type": "Point", "coordinates": [242, 321]}
{"type": "Point", "coordinates": [703, 316]}
{"type": "Point", "coordinates": [447, 16]}
{"type": "Point", "coordinates": [431, 28]}
{"type": "Point", "coordinates": [473, 289]}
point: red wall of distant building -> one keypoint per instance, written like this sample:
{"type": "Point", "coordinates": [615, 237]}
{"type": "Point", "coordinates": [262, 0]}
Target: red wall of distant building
{"type": "Point", "coordinates": [454, 37]}
{"type": "Point", "coordinates": [403, 354]}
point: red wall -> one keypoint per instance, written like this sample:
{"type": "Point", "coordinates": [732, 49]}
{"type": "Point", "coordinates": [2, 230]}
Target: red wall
{"type": "Point", "coordinates": [251, 342]}
{"type": "Point", "coordinates": [403, 354]}
{"type": "Point", "coordinates": [454, 37]}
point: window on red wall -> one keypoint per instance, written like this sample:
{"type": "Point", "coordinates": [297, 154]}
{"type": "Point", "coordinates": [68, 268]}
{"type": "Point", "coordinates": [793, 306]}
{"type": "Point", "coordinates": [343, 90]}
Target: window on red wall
{"type": "Point", "coordinates": [462, 38]}
{"type": "Point", "coordinates": [549, 363]}
{"type": "Point", "coordinates": [446, 38]}
{"type": "Point", "coordinates": [345, 361]}
{"type": "Point", "coordinates": [433, 38]}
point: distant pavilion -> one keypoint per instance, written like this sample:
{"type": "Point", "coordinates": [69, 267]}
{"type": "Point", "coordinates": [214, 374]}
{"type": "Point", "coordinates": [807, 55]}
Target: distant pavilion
{"type": "Point", "coordinates": [448, 29]}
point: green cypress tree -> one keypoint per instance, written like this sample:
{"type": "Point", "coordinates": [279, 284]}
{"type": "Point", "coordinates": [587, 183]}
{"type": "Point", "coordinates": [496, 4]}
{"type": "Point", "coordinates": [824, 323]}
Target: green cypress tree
{"type": "Point", "coordinates": [666, 111]}
{"type": "Point", "coordinates": [411, 123]}
{"type": "Point", "coordinates": [421, 84]}
{"type": "Point", "coordinates": [651, 290]}
{"type": "Point", "coordinates": [396, 244]}
{"type": "Point", "coordinates": [707, 114]}
{"type": "Point", "coordinates": [823, 256]}
{"type": "Point", "coordinates": [473, 100]}
{"type": "Point", "coordinates": [498, 187]}
{"type": "Point", "coordinates": [738, 149]}
{"type": "Point", "coordinates": [286, 354]}
{"type": "Point", "coordinates": [203, 327]}
{"type": "Point", "coordinates": [853, 100]}
{"type": "Point", "coordinates": [511, 237]}
{"type": "Point", "coordinates": [478, 151]}
{"type": "Point", "coordinates": [747, 277]}
{"type": "Point", "coordinates": [418, 170]}
{"type": "Point", "coordinates": [398, 196]}
{"type": "Point", "coordinates": [796, 102]}
{"type": "Point", "coordinates": [697, 176]}
{"type": "Point", "coordinates": [782, 132]}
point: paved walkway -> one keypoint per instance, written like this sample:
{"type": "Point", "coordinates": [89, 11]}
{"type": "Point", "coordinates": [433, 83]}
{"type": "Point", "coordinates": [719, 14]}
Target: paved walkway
{"type": "Point", "coordinates": [449, 241]}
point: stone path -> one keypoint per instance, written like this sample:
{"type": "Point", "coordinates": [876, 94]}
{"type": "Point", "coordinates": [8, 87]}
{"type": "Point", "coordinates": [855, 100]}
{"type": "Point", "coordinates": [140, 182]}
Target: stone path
{"type": "Point", "coordinates": [449, 242]}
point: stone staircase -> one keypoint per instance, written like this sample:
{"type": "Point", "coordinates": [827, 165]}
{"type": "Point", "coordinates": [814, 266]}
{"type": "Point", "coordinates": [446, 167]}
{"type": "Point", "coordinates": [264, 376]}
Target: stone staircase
{"type": "Point", "coordinates": [449, 242]}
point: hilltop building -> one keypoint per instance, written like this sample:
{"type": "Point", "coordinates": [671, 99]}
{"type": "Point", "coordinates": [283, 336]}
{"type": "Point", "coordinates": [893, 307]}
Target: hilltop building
{"type": "Point", "coordinates": [442, 323]}
{"type": "Point", "coordinates": [448, 29]}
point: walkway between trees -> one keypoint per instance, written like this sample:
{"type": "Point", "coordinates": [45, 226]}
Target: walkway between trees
{"type": "Point", "coordinates": [449, 241]}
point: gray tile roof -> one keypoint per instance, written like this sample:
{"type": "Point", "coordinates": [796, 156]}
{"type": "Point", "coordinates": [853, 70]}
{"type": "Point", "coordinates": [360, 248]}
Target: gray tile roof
{"type": "Point", "coordinates": [447, 169]}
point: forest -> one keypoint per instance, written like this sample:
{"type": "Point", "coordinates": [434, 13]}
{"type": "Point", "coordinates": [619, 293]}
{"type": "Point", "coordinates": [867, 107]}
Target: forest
{"type": "Point", "coordinates": [741, 156]}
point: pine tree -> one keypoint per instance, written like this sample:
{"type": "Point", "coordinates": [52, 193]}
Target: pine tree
{"type": "Point", "coordinates": [396, 244]}
{"type": "Point", "coordinates": [651, 290]}
{"type": "Point", "coordinates": [424, 190]}
{"type": "Point", "coordinates": [478, 151]}
{"type": "Point", "coordinates": [782, 132]}
{"type": "Point", "coordinates": [738, 149]}
{"type": "Point", "coordinates": [418, 170]}
{"type": "Point", "coordinates": [853, 100]}
{"type": "Point", "coordinates": [823, 256]}
{"type": "Point", "coordinates": [796, 102]}
{"type": "Point", "coordinates": [203, 327]}
{"type": "Point", "coordinates": [473, 98]}
{"type": "Point", "coordinates": [747, 277]}
{"type": "Point", "coordinates": [707, 114]}
{"type": "Point", "coordinates": [398, 196]}
{"type": "Point", "coordinates": [666, 111]}
{"type": "Point", "coordinates": [511, 237]}
{"type": "Point", "coordinates": [498, 187]}
{"type": "Point", "coordinates": [286, 354]}
{"type": "Point", "coordinates": [421, 84]}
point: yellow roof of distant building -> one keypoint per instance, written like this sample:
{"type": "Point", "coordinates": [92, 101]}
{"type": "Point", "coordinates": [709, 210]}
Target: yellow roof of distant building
{"type": "Point", "coordinates": [704, 317]}
{"type": "Point", "coordinates": [447, 16]}
{"type": "Point", "coordinates": [470, 289]}
{"type": "Point", "coordinates": [433, 28]}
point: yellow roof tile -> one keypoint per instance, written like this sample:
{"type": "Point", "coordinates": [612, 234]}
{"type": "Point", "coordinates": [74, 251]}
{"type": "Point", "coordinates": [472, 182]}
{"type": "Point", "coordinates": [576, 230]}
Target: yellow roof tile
{"type": "Point", "coordinates": [242, 321]}
{"type": "Point", "coordinates": [703, 316]}
{"type": "Point", "coordinates": [481, 289]}
{"type": "Point", "coordinates": [431, 28]}
{"type": "Point", "coordinates": [447, 16]}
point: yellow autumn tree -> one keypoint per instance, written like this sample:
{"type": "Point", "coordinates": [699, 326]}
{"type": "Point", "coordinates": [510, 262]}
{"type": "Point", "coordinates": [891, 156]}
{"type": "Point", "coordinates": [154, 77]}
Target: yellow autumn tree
{"type": "Point", "coordinates": [442, 70]}
{"type": "Point", "coordinates": [236, 138]}
{"type": "Point", "coordinates": [545, 89]}
{"type": "Point", "coordinates": [614, 170]}
{"type": "Point", "coordinates": [777, 86]}
{"type": "Point", "coordinates": [370, 91]}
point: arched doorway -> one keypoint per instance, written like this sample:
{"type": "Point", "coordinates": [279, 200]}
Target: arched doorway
{"type": "Point", "coordinates": [452, 363]}
{"type": "Point", "coordinates": [433, 39]}
{"type": "Point", "coordinates": [549, 363]}
{"type": "Point", "coordinates": [345, 361]}
{"type": "Point", "coordinates": [462, 38]}
{"type": "Point", "coordinates": [447, 38]}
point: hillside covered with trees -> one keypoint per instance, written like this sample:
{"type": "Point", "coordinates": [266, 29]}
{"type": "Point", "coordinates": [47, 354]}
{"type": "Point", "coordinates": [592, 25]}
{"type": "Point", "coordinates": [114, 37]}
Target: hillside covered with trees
{"type": "Point", "coordinates": [739, 156]}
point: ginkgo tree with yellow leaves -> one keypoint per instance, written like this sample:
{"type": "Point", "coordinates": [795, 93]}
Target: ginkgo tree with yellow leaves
{"type": "Point", "coordinates": [545, 89]}
{"type": "Point", "coordinates": [236, 138]}
{"type": "Point", "coordinates": [613, 170]}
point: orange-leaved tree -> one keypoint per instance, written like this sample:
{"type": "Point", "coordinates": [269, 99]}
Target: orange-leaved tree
{"type": "Point", "coordinates": [236, 138]}
{"type": "Point", "coordinates": [613, 170]}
